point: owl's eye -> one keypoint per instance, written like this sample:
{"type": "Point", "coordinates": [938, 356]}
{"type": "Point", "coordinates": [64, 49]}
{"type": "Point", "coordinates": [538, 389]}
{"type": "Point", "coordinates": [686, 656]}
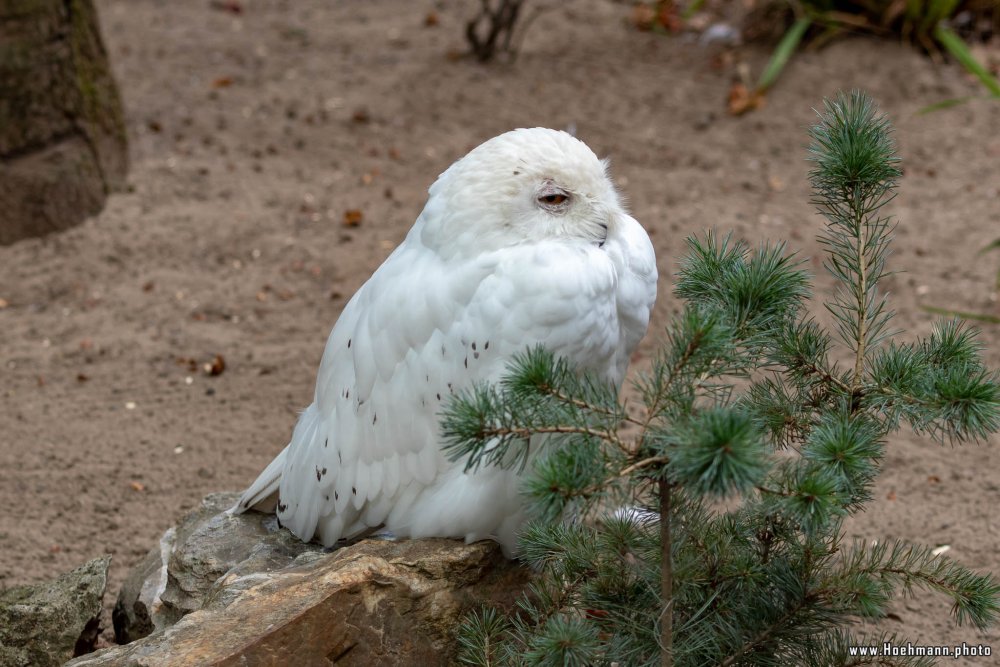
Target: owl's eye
{"type": "Point", "coordinates": [553, 199]}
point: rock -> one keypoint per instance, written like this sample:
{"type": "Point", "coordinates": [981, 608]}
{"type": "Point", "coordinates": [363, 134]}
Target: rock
{"type": "Point", "coordinates": [177, 576]}
{"type": "Point", "coordinates": [221, 589]}
{"type": "Point", "coordinates": [374, 603]}
{"type": "Point", "coordinates": [48, 623]}
{"type": "Point", "coordinates": [132, 615]}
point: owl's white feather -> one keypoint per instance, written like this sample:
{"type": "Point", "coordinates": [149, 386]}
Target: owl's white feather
{"type": "Point", "coordinates": [524, 241]}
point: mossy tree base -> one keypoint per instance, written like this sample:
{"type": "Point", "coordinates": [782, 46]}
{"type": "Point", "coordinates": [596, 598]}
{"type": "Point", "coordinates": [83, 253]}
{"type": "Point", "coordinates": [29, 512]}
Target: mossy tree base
{"type": "Point", "coordinates": [62, 130]}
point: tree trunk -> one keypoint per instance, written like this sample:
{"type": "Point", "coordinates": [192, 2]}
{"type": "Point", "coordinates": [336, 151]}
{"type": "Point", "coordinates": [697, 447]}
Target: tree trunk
{"type": "Point", "coordinates": [62, 130]}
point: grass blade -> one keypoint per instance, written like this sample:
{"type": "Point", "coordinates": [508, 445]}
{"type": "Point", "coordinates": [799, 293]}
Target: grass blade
{"type": "Point", "coordinates": [786, 47]}
{"type": "Point", "coordinates": [993, 246]}
{"type": "Point", "coordinates": [979, 317]}
{"type": "Point", "coordinates": [944, 104]}
{"type": "Point", "coordinates": [957, 48]}
{"type": "Point", "coordinates": [692, 9]}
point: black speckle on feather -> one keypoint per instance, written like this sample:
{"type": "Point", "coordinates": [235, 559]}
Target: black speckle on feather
{"type": "Point", "coordinates": [348, 343]}
{"type": "Point", "coordinates": [374, 418]}
{"type": "Point", "coordinates": [326, 442]}
{"type": "Point", "coordinates": [319, 475]}
{"type": "Point", "coordinates": [473, 345]}
{"type": "Point", "coordinates": [475, 355]}
{"type": "Point", "coordinates": [466, 362]}
{"type": "Point", "coordinates": [282, 507]}
{"type": "Point", "coordinates": [354, 491]}
{"type": "Point", "coordinates": [336, 496]}
{"type": "Point", "coordinates": [439, 397]}
{"type": "Point", "coordinates": [487, 345]}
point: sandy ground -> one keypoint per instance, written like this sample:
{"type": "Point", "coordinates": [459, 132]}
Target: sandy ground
{"type": "Point", "coordinates": [252, 134]}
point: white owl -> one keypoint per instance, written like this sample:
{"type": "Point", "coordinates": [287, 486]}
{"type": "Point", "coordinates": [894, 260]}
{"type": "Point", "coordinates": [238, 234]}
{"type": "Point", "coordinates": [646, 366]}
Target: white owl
{"type": "Point", "coordinates": [524, 241]}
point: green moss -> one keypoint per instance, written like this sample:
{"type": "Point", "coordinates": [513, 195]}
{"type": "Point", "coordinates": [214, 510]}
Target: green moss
{"type": "Point", "coordinates": [100, 102]}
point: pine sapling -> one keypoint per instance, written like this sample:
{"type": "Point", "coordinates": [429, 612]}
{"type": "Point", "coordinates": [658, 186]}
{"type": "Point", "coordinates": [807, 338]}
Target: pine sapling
{"type": "Point", "coordinates": [708, 529]}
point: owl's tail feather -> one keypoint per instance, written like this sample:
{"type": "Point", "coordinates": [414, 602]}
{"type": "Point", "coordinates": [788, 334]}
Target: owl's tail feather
{"type": "Point", "coordinates": [262, 495]}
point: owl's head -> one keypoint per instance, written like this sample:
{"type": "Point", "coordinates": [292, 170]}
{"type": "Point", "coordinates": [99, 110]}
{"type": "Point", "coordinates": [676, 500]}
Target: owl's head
{"type": "Point", "coordinates": [524, 186]}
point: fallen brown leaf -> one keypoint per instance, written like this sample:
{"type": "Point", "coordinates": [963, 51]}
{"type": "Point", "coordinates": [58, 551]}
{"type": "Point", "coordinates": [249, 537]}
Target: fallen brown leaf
{"type": "Point", "coordinates": [192, 364]}
{"type": "Point", "coordinates": [722, 61]}
{"type": "Point", "coordinates": [643, 16]}
{"type": "Point", "coordinates": [216, 367]}
{"type": "Point", "coordinates": [353, 217]}
{"type": "Point", "coordinates": [137, 486]}
{"type": "Point", "coordinates": [231, 6]}
{"type": "Point", "coordinates": [742, 100]}
{"type": "Point", "coordinates": [669, 18]}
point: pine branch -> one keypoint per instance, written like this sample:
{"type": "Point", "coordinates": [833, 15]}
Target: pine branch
{"type": "Point", "coordinates": [618, 415]}
{"type": "Point", "coordinates": [761, 636]}
{"type": "Point", "coordinates": [828, 377]}
{"type": "Point", "coordinates": [480, 636]}
{"type": "Point", "coordinates": [487, 433]}
{"type": "Point", "coordinates": [666, 579]}
{"type": "Point", "coordinates": [974, 595]}
{"type": "Point", "coordinates": [833, 650]}
{"type": "Point", "coordinates": [854, 177]}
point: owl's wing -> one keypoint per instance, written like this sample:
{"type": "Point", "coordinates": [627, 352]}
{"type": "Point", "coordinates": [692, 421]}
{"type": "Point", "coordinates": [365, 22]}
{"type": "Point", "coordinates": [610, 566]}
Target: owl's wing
{"type": "Point", "coordinates": [631, 252]}
{"type": "Point", "coordinates": [422, 328]}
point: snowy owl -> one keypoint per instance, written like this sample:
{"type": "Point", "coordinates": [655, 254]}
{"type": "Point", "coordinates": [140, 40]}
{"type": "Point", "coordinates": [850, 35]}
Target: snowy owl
{"type": "Point", "coordinates": [524, 241]}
